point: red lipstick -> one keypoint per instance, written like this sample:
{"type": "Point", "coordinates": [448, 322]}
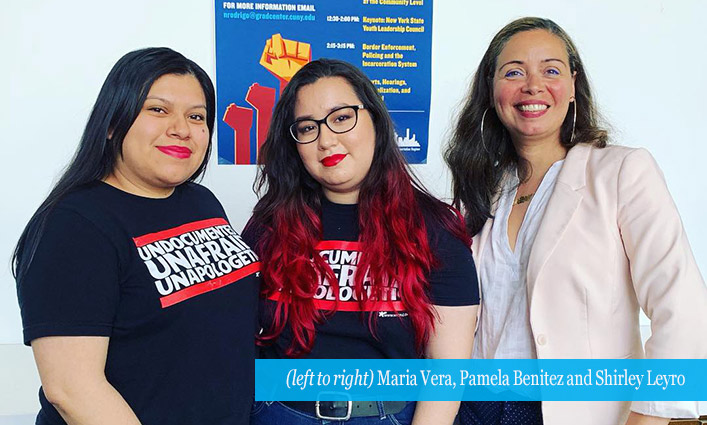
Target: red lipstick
{"type": "Point", "coordinates": [180, 152]}
{"type": "Point", "coordinates": [332, 160]}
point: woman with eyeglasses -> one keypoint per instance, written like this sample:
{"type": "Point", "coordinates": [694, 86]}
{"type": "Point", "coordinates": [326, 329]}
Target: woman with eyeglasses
{"type": "Point", "coordinates": [358, 259]}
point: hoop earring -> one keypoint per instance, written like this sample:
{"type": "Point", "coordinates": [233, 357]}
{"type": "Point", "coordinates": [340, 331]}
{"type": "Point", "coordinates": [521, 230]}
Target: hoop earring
{"type": "Point", "coordinates": [483, 142]}
{"type": "Point", "coordinates": [574, 120]}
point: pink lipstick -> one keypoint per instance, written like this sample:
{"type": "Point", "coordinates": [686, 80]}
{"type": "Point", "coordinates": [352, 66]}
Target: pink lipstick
{"type": "Point", "coordinates": [180, 152]}
{"type": "Point", "coordinates": [332, 160]}
{"type": "Point", "coordinates": [532, 108]}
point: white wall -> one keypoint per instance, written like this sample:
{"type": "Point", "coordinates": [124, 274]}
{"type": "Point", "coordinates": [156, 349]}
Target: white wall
{"type": "Point", "coordinates": [646, 60]}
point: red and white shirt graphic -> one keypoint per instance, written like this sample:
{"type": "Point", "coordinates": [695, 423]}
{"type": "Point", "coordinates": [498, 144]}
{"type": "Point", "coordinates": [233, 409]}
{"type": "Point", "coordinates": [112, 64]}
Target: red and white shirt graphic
{"type": "Point", "coordinates": [343, 258]}
{"type": "Point", "coordinates": [195, 258]}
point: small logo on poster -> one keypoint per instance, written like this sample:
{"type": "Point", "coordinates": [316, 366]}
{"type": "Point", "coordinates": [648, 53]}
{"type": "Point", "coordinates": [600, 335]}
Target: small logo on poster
{"type": "Point", "coordinates": [408, 143]}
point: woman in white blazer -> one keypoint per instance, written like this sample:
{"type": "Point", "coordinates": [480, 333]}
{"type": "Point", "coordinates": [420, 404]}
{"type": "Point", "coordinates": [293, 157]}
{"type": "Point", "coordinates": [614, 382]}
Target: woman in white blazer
{"type": "Point", "coordinates": [572, 236]}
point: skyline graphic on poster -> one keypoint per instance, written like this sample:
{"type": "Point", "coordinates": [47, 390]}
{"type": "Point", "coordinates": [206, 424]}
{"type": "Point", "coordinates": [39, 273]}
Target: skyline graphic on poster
{"type": "Point", "coordinates": [260, 46]}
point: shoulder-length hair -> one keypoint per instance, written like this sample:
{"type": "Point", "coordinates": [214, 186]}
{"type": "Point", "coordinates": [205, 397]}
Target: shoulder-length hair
{"type": "Point", "coordinates": [478, 164]}
{"type": "Point", "coordinates": [392, 211]}
{"type": "Point", "coordinates": [118, 104]}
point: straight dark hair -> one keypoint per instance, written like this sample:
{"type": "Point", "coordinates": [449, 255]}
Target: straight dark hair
{"type": "Point", "coordinates": [478, 164]}
{"type": "Point", "coordinates": [118, 104]}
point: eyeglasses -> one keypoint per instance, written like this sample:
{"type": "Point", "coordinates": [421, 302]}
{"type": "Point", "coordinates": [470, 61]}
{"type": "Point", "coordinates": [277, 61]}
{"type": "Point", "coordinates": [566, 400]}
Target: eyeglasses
{"type": "Point", "coordinates": [340, 120]}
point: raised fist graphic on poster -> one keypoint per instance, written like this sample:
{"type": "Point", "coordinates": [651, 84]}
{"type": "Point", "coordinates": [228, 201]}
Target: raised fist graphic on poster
{"type": "Point", "coordinates": [282, 58]}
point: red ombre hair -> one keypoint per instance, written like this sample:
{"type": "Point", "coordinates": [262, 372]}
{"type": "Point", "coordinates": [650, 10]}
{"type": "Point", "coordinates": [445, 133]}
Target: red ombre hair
{"type": "Point", "coordinates": [393, 210]}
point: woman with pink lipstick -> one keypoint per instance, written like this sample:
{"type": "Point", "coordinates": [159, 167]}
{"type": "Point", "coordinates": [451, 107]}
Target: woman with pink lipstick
{"type": "Point", "coordinates": [359, 261]}
{"type": "Point", "coordinates": [572, 236]}
{"type": "Point", "coordinates": [137, 296]}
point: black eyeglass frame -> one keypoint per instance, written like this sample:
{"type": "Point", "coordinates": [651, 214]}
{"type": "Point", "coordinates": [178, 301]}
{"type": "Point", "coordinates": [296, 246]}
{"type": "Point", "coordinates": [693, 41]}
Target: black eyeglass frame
{"type": "Point", "coordinates": [319, 123]}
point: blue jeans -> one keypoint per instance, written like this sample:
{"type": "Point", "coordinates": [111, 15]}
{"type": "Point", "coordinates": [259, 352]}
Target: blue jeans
{"type": "Point", "coordinates": [276, 413]}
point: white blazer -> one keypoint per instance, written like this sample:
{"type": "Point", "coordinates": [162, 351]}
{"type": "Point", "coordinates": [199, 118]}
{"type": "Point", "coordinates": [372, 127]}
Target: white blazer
{"type": "Point", "coordinates": [611, 241]}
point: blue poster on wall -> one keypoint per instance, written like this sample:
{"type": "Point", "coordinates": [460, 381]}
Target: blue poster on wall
{"type": "Point", "coordinates": [260, 45]}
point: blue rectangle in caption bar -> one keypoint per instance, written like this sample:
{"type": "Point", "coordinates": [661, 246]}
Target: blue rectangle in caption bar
{"type": "Point", "coordinates": [545, 380]}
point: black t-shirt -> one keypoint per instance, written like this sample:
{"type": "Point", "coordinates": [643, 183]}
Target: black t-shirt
{"type": "Point", "coordinates": [346, 333]}
{"type": "Point", "coordinates": [171, 284]}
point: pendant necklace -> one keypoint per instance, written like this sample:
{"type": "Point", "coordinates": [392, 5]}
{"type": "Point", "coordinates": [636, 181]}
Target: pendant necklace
{"type": "Point", "coordinates": [523, 199]}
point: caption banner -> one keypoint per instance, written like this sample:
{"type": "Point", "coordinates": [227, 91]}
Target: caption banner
{"type": "Point", "coordinates": [365, 379]}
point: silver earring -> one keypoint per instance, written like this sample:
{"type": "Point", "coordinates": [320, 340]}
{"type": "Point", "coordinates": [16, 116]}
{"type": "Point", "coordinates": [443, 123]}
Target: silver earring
{"type": "Point", "coordinates": [483, 142]}
{"type": "Point", "coordinates": [574, 120]}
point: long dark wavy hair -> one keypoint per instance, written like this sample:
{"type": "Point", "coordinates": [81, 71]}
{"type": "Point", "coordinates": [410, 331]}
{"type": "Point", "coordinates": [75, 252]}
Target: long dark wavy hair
{"type": "Point", "coordinates": [478, 165]}
{"type": "Point", "coordinates": [392, 209]}
{"type": "Point", "coordinates": [118, 104]}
